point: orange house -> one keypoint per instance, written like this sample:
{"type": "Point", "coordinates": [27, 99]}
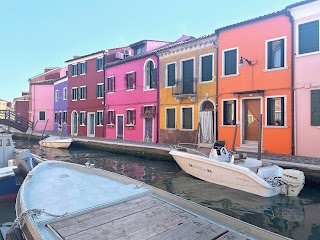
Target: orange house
{"type": "Point", "coordinates": [254, 80]}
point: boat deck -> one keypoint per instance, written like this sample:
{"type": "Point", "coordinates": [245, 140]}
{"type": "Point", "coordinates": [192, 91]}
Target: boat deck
{"type": "Point", "coordinates": [145, 217]}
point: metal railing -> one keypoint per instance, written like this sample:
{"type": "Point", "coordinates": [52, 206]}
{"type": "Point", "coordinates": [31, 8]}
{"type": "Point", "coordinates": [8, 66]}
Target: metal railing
{"type": "Point", "coordinates": [185, 87]}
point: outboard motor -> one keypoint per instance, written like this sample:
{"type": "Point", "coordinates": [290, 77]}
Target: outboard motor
{"type": "Point", "coordinates": [293, 182]}
{"type": "Point", "coordinates": [26, 162]}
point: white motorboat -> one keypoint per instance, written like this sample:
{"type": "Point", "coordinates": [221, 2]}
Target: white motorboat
{"type": "Point", "coordinates": [60, 200]}
{"type": "Point", "coordinates": [14, 166]}
{"type": "Point", "coordinates": [56, 142]}
{"type": "Point", "coordinates": [249, 174]}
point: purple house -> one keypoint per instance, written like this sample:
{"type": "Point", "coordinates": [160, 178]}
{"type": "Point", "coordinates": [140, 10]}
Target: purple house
{"type": "Point", "coordinates": [61, 105]}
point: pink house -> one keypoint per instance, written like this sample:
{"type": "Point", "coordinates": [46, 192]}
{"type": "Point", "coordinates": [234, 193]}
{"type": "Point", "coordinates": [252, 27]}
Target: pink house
{"type": "Point", "coordinates": [42, 100]}
{"type": "Point", "coordinates": [131, 88]}
{"type": "Point", "coordinates": [306, 17]}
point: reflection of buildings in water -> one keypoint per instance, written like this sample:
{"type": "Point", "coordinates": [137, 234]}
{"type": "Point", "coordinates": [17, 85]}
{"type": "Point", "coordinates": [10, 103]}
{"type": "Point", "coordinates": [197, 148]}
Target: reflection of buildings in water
{"type": "Point", "coordinates": [280, 213]}
{"type": "Point", "coordinates": [55, 152]}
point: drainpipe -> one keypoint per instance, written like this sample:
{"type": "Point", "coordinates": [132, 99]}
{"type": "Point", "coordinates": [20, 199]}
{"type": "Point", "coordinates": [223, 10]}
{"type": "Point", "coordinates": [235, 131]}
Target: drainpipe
{"type": "Point", "coordinates": [292, 84]}
{"type": "Point", "coordinates": [217, 82]}
{"type": "Point", "coordinates": [104, 95]}
{"type": "Point", "coordinates": [158, 98]}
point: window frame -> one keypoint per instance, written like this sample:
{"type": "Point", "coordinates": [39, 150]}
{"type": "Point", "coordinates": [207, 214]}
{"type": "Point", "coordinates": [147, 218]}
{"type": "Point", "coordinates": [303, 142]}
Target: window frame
{"type": "Point", "coordinates": [284, 109]}
{"type": "Point", "coordinates": [45, 115]}
{"type": "Point", "coordinates": [200, 67]}
{"type": "Point", "coordinates": [97, 64]}
{"type": "Point", "coordinates": [223, 62]}
{"type": "Point", "coordinates": [65, 93]}
{"type": "Point", "coordinates": [133, 117]}
{"type": "Point", "coordinates": [82, 121]}
{"type": "Point", "coordinates": [72, 95]}
{"type": "Point", "coordinates": [101, 122]}
{"type": "Point", "coordinates": [84, 63]}
{"type": "Point", "coordinates": [236, 111]}
{"type": "Point", "coordinates": [147, 87]}
{"type": "Point", "coordinates": [297, 38]}
{"type": "Point", "coordinates": [111, 123]}
{"type": "Point", "coordinates": [56, 95]}
{"type": "Point", "coordinates": [311, 105]}
{"type": "Point", "coordinates": [55, 117]}
{"type": "Point", "coordinates": [175, 117]}
{"type": "Point", "coordinates": [167, 75]}
{"type": "Point", "coordinates": [133, 82]}
{"type": "Point", "coordinates": [74, 70]}
{"type": "Point", "coordinates": [85, 93]}
{"type": "Point", "coordinates": [284, 54]}
{"type": "Point", "coordinates": [113, 84]}
{"type": "Point", "coordinates": [181, 118]}
{"type": "Point", "coordinates": [65, 117]}
{"type": "Point", "coordinates": [102, 90]}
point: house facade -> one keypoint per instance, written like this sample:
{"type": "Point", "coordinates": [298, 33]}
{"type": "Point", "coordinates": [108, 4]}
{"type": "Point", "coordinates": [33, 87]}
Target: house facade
{"type": "Point", "coordinates": [131, 99]}
{"type": "Point", "coordinates": [3, 106]}
{"type": "Point", "coordinates": [188, 91]}
{"type": "Point", "coordinates": [254, 79]}
{"type": "Point", "coordinates": [49, 73]}
{"type": "Point", "coordinates": [61, 106]}
{"type": "Point", "coordinates": [21, 105]}
{"type": "Point", "coordinates": [307, 77]}
{"type": "Point", "coordinates": [42, 98]}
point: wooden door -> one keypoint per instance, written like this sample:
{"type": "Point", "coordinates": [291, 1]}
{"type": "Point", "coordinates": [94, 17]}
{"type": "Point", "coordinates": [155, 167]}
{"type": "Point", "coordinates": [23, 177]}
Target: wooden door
{"type": "Point", "coordinates": [251, 119]}
{"type": "Point", "coordinates": [120, 126]}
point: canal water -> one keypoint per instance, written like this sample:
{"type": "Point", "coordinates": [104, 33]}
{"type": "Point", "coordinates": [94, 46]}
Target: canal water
{"type": "Point", "coordinates": [294, 217]}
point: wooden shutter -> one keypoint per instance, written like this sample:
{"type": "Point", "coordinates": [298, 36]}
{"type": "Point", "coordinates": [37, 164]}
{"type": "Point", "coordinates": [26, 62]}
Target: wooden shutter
{"type": "Point", "coordinates": [85, 67]}
{"type": "Point", "coordinates": [113, 117]}
{"type": "Point", "coordinates": [171, 74]}
{"type": "Point", "coordinates": [282, 52]}
{"type": "Point", "coordinates": [309, 37]}
{"type": "Point", "coordinates": [142, 111]}
{"type": "Point", "coordinates": [97, 90]}
{"type": "Point", "coordinates": [230, 62]}
{"type": "Point", "coordinates": [270, 65]}
{"type": "Point", "coordinates": [282, 111]}
{"type": "Point", "coordinates": [234, 111]}
{"type": "Point", "coordinates": [154, 110]}
{"type": "Point", "coordinates": [134, 117]}
{"type": "Point", "coordinates": [206, 68]}
{"type": "Point", "coordinates": [97, 64]}
{"type": "Point", "coordinates": [113, 84]}
{"type": "Point", "coordinates": [126, 81]}
{"type": "Point", "coordinates": [154, 80]}
{"type": "Point", "coordinates": [72, 71]}
{"type": "Point", "coordinates": [270, 111]}
{"type": "Point", "coordinates": [134, 80]}
{"type": "Point", "coordinates": [85, 92]}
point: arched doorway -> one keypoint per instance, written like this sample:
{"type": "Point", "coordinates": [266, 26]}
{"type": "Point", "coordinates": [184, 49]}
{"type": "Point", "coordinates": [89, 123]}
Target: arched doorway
{"type": "Point", "coordinates": [206, 130]}
{"type": "Point", "coordinates": [74, 123]}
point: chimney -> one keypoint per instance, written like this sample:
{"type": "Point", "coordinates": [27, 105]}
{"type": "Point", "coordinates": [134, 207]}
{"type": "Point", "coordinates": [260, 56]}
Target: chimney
{"type": "Point", "coordinates": [47, 69]}
{"type": "Point", "coordinates": [76, 56]}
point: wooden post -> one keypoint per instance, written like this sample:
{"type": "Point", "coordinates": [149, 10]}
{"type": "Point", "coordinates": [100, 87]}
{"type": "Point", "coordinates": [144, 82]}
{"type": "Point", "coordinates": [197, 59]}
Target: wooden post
{"type": "Point", "coordinates": [260, 137]}
{"type": "Point", "coordinates": [234, 137]}
{"type": "Point", "coordinates": [44, 129]}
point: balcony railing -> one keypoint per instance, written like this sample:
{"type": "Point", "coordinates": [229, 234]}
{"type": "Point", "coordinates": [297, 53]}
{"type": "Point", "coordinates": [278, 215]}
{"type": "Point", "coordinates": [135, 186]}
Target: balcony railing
{"type": "Point", "coordinates": [185, 88]}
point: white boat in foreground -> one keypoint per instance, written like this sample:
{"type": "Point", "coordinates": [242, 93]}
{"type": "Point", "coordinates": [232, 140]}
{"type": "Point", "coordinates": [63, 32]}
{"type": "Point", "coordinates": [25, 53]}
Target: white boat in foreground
{"type": "Point", "coordinates": [60, 200]}
{"type": "Point", "coordinates": [56, 142]}
{"type": "Point", "coordinates": [249, 174]}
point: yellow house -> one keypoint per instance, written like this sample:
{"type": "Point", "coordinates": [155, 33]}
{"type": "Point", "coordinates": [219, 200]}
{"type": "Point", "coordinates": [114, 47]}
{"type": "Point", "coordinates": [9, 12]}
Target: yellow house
{"type": "Point", "coordinates": [188, 91]}
{"type": "Point", "coordinates": [3, 106]}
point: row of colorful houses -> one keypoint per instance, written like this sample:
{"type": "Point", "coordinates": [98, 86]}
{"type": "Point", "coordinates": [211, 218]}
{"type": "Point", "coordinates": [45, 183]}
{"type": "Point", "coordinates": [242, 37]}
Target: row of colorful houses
{"type": "Point", "coordinates": [201, 89]}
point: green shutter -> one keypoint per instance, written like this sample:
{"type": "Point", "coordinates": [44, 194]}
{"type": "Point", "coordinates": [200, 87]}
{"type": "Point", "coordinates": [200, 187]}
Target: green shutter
{"type": "Point", "coordinates": [309, 37]}
{"type": "Point", "coordinates": [315, 107]}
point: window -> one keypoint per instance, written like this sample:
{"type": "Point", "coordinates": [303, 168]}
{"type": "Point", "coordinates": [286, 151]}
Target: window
{"type": "Point", "coordinates": [187, 118]}
{"type": "Point", "coordinates": [74, 69]}
{"type": "Point", "coordinates": [171, 118]}
{"type": "Point", "coordinates": [99, 64]}
{"type": "Point", "coordinates": [56, 96]}
{"type": "Point", "coordinates": [110, 119]}
{"type": "Point", "coordinates": [130, 80]}
{"type": "Point", "coordinates": [230, 62]}
{"type": "Point", "coordinates": [110, 84]}
{"type": "Point", "coordinates": [139, 49]}
{"type": "Point", "coordinates": [315, 107]}
{"type": "Point", "coordinates": [83, 92]}
{"type": "Point", "coordinates": [171, 74]}
{"type": "Point", "coordinates": [275, 111]}
{"type": "Point", "coordinates": [65, 93]}
{"type": "Point", "coordinates": [74, 93]}
{"type": "Point", "coordinates": [82, 118]}
{"type": "Point", "coordinates": [229, 112]}
{"type": "Point", "coordinates": [99, 118]}
{"type": "Point", "coordinates": [206, 68]}
{"type": "Point", "coordinates": [309, 37]}
{"type": "Point", "coordinates": [8, 142]}
{"type": "Point", "coordinates": [55, 117]}
{"type": "Point", "coordinates": [64, 117]}
{"type": "Point", "coordinates": [150, 73]}
{"type": "Point", "coordinates": [83, 68]}
{"type": "Point", "coordinates": [148, 111]}
{"type": "Point", "coordinates": [100, 90]}
{"type": "Point", "coordinates": [131, 117]}
{"type": "Point", "coordinates": [275, 54]}
{"type": "Point", "coordinates": [42, 115]}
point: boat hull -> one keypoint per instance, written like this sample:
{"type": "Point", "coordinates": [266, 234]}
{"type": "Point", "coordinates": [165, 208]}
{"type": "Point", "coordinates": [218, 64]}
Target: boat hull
{"type": "Point", "coordinates": [222, 173]}
{"type": "Point", "coordinates": [8, 188]}
{"type": "Point", "coordinates": [62, 143]}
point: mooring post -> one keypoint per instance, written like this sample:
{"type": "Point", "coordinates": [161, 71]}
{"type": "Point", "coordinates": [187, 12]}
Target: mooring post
{"type": "Point", "coordinates": [260, 137]}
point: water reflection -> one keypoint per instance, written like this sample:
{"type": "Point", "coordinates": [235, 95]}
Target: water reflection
{"type": "Point", "coordinates": [295, 217]}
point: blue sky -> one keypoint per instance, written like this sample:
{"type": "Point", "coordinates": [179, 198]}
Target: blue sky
{"type": "Point", "coordinates": [36, 34]}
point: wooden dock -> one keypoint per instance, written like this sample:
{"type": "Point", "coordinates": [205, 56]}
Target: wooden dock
{"type": "Point", "coordinates": [146, 217]}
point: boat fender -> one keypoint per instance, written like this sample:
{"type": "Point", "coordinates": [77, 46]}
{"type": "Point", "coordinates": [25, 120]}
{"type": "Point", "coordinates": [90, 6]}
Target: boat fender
{"type": "Point", "coordinates": [14, 234]}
